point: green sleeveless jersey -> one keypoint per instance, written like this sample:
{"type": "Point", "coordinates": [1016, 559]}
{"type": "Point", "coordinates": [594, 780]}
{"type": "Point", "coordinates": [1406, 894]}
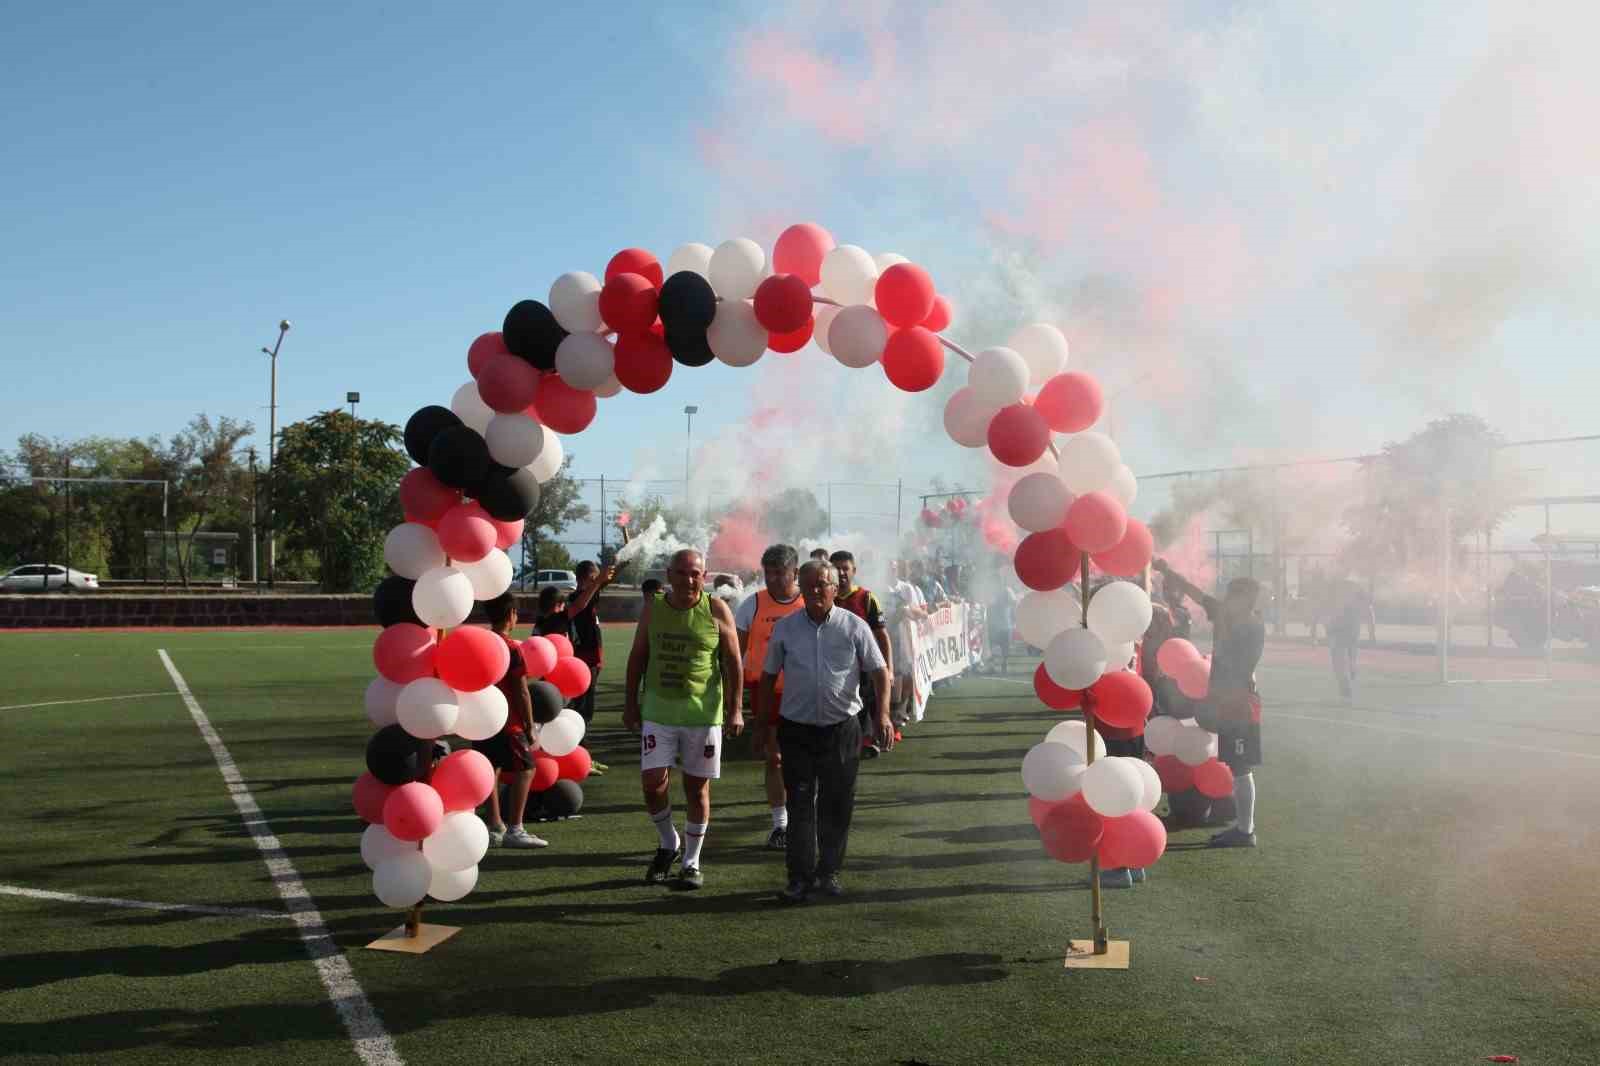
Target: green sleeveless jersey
{"type": "Point", "coordinates": [683, 683]}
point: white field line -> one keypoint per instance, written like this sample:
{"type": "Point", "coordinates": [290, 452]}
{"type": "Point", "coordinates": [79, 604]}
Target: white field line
{"type": "Point", "coordinates": [372, 1041]}
{"type": "Point", "coordinates": [89, 699]}
{"type": "Point", "coordinates": [1480, 742]}
{"type": "Point", "coordinates": [139, 904]}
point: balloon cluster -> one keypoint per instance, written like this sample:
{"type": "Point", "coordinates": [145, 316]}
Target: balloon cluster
{"type": "Point", "coordinates": [1185, 751]}
{"type": "Point", "coordinates": [1083, 809]}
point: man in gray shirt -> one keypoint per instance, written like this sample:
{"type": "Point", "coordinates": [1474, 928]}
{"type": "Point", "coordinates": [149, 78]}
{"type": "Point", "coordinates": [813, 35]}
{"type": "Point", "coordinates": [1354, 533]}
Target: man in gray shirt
{"type": "Point", "coordinates": [822, 652]}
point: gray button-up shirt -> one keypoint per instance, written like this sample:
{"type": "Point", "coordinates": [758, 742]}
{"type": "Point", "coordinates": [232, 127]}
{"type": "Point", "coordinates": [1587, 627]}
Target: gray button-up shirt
{"type": "Point", "coordinates": [822, 664]}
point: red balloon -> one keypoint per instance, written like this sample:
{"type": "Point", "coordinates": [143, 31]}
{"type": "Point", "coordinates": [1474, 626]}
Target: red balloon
{"type": "Point", "coordinates": [904, 295]}
{"type": "Point", "coordinates": [470, 658]}
{"type": "Point", "coordinates": [539, 655]}
{"type": "Point", "coordinates": [800, 251]}
{"type": "Point", "coordinates": [425, 496]}
{"type": "Point", "coordinates": [404, 652]}
{"type": "Point", "coordinates": [1135, 840]}
{"type": "Point", "coordinates": [369, 796]}
{"type": "Point", "coordinates": [1122, 698]}
{"type": "Point", "coordinates": [412, 811]}
{"type": "Point", "coordinates": [1039, 810]}
{"type": "Point", "coordinates": [913, 359]}
{"type": "Point", "coordinates": [931, 518]}
{"type": "Point", "coordinates": [1071, 832]}
{"type": "Point", "coordinates": [629, 302]}
{"type": "Point", "coordinates": [1214, 778]}
{"type": "Point", "coordinates": [1096, 521]}
{"type": "Point", "coordinates": [1131, 554]}
{"type": "Point", "coordinates": [546, 772]}
{"type": "Point", "coordinates": [575, 764]}
{"type": "Point", "coordinates": [783, 303]}
{"type": "Point", "coordinates": [1112, 732]}
{"type": "Point", "coordinates": [1176, 775]}
{"type": "Point", "coordinates": [1018, 435]}
{"type": "Point", "coordinates": [1046, 560]}
{"type": "Point", "coordinates": [1174, 653]}
{"type": "Point", "coordinates": [562, 407]}
{"type": "Point", "coordinates": [562, 645]}
{"type": "Point", "coordinates": [1070, 402]}
{"type": "Point", "coordinates": [483, 349]}
{"type": "Point", "coordinates": [938, 319]}
{"type": "Point", "coordinates": [467, 533]}
{"type": "Point", "coordinates": [643, 362]}
{"type": "Point", "coordinates": [431, 523]}
{"type": "Point", "coordinates": [507, 384]}
{"type": "Point", "coordinates": [635, 261]}
{"type": "Point", "coordinates": [571, 676]}
{"type": "Point", "coordinates": [1194, 678]}
{"type": "Point", "coordinates": [1053, 695]}
{"type": "Point", "coordinates": [463, 779]}
{"type": "Point", "coordinates": [506, 533]}
{"type": "Point", "coordinates": [784, 343]}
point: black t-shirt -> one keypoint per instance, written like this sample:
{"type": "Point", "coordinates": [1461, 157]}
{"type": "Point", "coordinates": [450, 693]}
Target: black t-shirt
{"type": "Point", "coordinates": [586, 628]}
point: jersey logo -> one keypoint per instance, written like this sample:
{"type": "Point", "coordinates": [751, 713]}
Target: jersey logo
{"type": "Point", "coordinates": [711, 751]}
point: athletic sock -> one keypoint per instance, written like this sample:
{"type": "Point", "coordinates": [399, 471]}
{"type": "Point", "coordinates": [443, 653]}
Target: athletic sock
{"type": "Point", "coordinates": [695, 834]}
{"type": "Point", "coordinates": [664, 827]}
{"type": "Point", "coordinates": [780, 817]}
{"type": "Point", "coordinates": [1244, 799]}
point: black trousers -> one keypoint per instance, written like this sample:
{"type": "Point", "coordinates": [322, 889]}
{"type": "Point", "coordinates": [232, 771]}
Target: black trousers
{"type": "Point", "coordinates": [819, 772]}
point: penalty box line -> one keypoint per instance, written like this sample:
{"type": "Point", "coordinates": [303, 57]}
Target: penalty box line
{"type": "Point", "coordinates": [372, 1041]}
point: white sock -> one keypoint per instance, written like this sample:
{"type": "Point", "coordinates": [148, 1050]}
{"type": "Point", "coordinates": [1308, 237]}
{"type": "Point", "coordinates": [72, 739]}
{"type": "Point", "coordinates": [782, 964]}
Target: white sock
{"type": "Point", "coordinates": [516, 828]}
{"type": "Point", "coordinates": [780, 817]}
{"type": "Point", "coordinates": [664, 827]}
{"type": "Point", "coordinates": [1244, 800]}
{"type": "Point", "coordinates": [695, 834]}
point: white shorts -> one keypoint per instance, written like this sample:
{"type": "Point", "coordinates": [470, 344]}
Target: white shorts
{"type": "Point", "coordinates": [696, 750]}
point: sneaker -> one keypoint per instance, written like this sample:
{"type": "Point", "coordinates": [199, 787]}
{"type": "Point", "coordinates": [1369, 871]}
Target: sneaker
{"type": "Point", "coordinates": [870, 751]}
{"type": "Point", "coordinates": [1118, 878]}
{"type": "Point", "coordinates": [691, 877]}
{"type": "Point", "coordinates": [1139, 876]}
{"type": "Point", "coordinates": [1233, 838]}
{"type": "Point", "coordinates": [497, 837]}
{"type": "Point", "coordinates": [797, 892]}
{"type": "Point", "coordinates": [779, 840]}
{"type": "Point", "coordinates": [519, 837]}
{"type": "Point", "coordinates": [661, 865]}
{"type": "Point", "coordinates": [829, 884]}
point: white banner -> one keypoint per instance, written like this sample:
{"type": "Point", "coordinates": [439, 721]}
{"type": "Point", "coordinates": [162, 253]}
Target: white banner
{"type": "Point", "coordinates": [949, 641]}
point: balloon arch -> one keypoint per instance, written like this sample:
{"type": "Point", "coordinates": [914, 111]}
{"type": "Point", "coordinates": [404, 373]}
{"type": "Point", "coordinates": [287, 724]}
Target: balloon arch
{"type": "Point", "coordinates": [482, 459]}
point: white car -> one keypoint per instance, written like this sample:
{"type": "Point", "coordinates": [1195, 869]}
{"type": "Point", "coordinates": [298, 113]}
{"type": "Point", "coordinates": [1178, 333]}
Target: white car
{"type": "Point", "coordinates": [561, 579]}
{"type": "Point", "coordinates": [40, 577]}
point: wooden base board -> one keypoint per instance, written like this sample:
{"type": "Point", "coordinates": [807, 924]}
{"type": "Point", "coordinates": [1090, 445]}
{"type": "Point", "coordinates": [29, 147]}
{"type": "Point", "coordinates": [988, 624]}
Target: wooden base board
{"type": "Point", "coordinates": [1081, 956]}
{"type": "Point", "coordinates": [428, 937]}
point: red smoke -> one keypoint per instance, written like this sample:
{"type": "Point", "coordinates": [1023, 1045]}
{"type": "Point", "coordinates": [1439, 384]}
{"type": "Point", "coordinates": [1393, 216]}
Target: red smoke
{"type": "Point", "coordinates": [739, 542]}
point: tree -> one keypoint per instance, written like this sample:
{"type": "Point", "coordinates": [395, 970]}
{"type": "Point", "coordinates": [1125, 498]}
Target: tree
{"type": "Point", "coordinates": [794, 515]}
{"type": "Point", "coordinates": [337, 480]}
{"type": "Point", "coordinates": [208, 476]}
{"type": "Point", "coordinates": [559, 507]}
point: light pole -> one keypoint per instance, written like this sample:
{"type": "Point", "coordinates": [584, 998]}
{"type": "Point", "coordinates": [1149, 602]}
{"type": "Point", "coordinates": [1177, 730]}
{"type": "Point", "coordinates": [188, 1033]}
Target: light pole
{"type": "Point", "coordinates": [688, 440]}
{"type": "Point", "coordinates": [255, 578]}
{"type": "Point", "coordinates": [272, 470]}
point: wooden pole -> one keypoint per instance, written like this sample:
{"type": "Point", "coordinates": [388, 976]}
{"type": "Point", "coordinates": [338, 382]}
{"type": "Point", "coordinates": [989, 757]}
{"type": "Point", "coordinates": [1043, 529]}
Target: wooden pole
{"type": "Point", "coordinates": [1097, 915]}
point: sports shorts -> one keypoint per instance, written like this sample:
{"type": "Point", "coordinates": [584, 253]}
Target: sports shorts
{"type": "Point", "coordinates": [696, 750]}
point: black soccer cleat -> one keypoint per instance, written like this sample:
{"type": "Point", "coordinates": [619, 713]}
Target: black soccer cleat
{"type": "Point", "coordinates": [797, 892]}
{"type": "Point", "coordinates": [661, 866]}
{"type": "Point", "coordinates": [691, 877]}
{"type": "Point", "coordinates": [779, 840]}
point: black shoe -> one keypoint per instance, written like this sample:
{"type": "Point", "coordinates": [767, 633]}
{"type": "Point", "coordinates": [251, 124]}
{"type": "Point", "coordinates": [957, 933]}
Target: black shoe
{"type": "Point", "coordinates": [779, 840]}
{"type": "Point", "coordinates": [797, 892]}
{"type": "Point", "coordinates": [661, 866]}
{"type": "Point", "coordinates": [691, 877]}
{"type": "Point", "coordinates": [829, 885]}
{"type": "Point", "coordinates": [1233, 838]}
{"type": "Point", "coordinates": [870, 751]}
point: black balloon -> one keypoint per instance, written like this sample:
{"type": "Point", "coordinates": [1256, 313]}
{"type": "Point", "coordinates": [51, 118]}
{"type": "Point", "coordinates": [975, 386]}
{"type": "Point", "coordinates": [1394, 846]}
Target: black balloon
{"type": "Point", "coordinates": [391, 601]}
{"type": "Point", "coordinates": [690, 349]}
{"type": "Point", "coordinates": [533, 333]}
{"type": "Point", "coordinates": [687, 304]}
{"type": "Point", "coordinates": [425, 425]}
{"type": "Point", "coordinates": [562, 799]}
{"type": "Point", "coordinates": [547, 701]}
{"type": "Point", "coordinates": [459, 457]}
{"type": "Point", "coordinates": [510, 496]}
{"type": "Point", "coordinates": [394, 757]}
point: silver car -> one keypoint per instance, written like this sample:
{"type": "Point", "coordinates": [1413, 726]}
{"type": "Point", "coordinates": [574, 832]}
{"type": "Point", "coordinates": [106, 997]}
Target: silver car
{"type": "Point", "coordinates": [561, 579]}
{"type": "Point", "coordinates": [41, 577]}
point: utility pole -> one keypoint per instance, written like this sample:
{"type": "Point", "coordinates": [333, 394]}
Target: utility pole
{"type": "Point", "coordinates": [688, 442]}
{"type": "Point", "coordinates": [272, 469]}
{"type": "Point", "coordinates": [255, 577]}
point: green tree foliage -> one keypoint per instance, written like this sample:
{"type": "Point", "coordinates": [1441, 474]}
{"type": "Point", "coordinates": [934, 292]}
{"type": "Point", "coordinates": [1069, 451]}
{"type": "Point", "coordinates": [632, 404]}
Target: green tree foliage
{"type": "Point", "coordinates": [794, 515]}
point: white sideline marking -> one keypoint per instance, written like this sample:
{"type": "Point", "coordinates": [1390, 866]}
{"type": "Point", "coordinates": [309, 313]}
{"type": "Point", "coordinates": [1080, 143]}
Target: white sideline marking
{"type": "Point", "coordinates": [372, 1041]}
{"type": "Point", "coordinates": [1434, 736]}
{"type": "Point", "coordinates": [138, 904]}
{"type": "Point", "coordinates": [90, 699]}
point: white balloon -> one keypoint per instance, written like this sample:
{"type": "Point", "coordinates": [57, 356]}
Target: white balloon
{"type": "Point", "coordinates": [693, 257]}
{"type": "Point", "coordinates": [1195, 745]}
{"type": "Point", "coordinates": [563, 734]}
{"type": "Point", "coordinates": [483, 713]}
{"type": "Point", "coordinates": [821, 319]}
{"type": "Point", "coordinates": [378, 846]}
{"type": "Point", "coordinates": [609, 387]}
{"type": "Point", "coordinates": [1124, 486]}
{"type": "Point", "coordinates": [575, 302]}
{"type": "Point", "coordinates": [857, 335]}
{"type": "Point", "coordinates": [402, 881]}
{"type": "Point", "coordinates": [584, 361]}
{"type": "Point", "coordinates": [1089, 462]}
{"type": "Point", "coordinates": [412, 549]}
{"type": "Point", "coordinates": [442, 597]}
{"type": "Point", "coordinates": [1152, 784]}
{"type": "Point", "coordinates": [884, 260]}
{"type": "Point", "coordinates": [1161, 735]}
{"type": "Point", "coordinates": [1043, 347]}
{"type": "Point", "coordinates": [1052, 771]}
{"type": "Point", "coordinates": [461, 841]}
{"type": "Point", "coordinates": [736, 268]}
{"type": "Point", "coordinates": [735, 337]}
{"type": "Point", "coordinates": [1041, 615]}
{"type": "Point", "coordinates": [1119, 611]}
{"type": "Point", "coordinates": [490, 576]}
{"type": "Point", "coordinates": [447, 886]}
{"type": "Point", "coordinates": [381, 696]}
{"type": "Point", "coordinates": [998, 376]}
{"type": "Point", "coordinates": [515, 440]}
{"type": "Point", "coordinates": [470, 408]}
{"type": "Point", "coordinates": [427, 708]}
{"type": "Point", "coordinates": [967, 417]}
{"type": "Point", "coordinates": [1039, 502]}
{"type": "Point", "coordinates": [1075, 658]}
{"type": "Point", "coordinates": [1071, 733]}
{"type": "Point", "coordinates": [849, 275]}
{"type": "Point", "coordinates": [551, 456]}
{"type": "Point", "coordinates": [1113, 787]}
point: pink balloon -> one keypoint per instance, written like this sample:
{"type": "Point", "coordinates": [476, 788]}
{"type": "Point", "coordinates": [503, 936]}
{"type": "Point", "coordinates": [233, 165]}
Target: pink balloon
{"type": "Point", "coordinates": [1096, 521]}
{"type": "Point", "coordinates": [467, 533]}
{"type": "Point", "coordinates": [1136, 840]}
{"type": "Point", "coordinates": [904, 295]}
{"type": "Point", "coordinates": [463, 779]}
{"type": "Point", "coordinates": [486, 347]}
{"type": "Point", "coordinates": [1131, 554]}
{"type": "Point", "coordinates": [1039, 810]}
{"type": "Point", "coordinates": [1018, 435]}
{"type": "Point", "coordinates": [1193, 678]}
{"type": "Point", "coordinates": [1174, 654]}
{"type": "Point", "coordinates": [424, 497]}
{"type": "Point", "coordinates": [404, 652]}
{"type": "Point", "coordinates": [571, 676]}
{"type": "Point", "coordinates": [1070, 402]}
{"type": "Point", "coordinates": [800, 251]}
{"type": "Point", "coordinates": [539, 655]}
{"type": "Point", "coordinates": [413, 811]}
{"type": "Point", "coordinates": [507, 384]}
{"type": "Point", "coordinates": [506, 533]}
{"type": "Point", "coordinates": [470, 658]}
{"type": "Point", "coordinates": [562, 645]}
{"type": "Point", "coordinates": [369, 796]}
{"type": "Point", "coordinates": [1214, 778]}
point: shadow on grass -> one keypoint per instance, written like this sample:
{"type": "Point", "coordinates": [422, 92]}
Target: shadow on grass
{"type": "Point", "coordinates": [977, 834]}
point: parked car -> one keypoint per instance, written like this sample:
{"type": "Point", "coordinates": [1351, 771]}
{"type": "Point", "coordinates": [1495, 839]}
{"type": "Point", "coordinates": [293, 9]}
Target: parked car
{"type": "Point", "coordinates": [41, 577]}
{"type": "Point", "coordinates": [561, 579]}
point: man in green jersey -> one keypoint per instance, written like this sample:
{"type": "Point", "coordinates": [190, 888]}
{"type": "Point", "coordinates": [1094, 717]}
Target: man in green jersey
{"type": "Point", "coordinates": [682, 694]}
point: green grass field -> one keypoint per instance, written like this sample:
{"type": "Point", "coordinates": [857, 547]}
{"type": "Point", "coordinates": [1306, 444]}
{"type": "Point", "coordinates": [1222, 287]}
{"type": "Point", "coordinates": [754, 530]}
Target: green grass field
{"type": "Point", "coordinates": [1427, 889]}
